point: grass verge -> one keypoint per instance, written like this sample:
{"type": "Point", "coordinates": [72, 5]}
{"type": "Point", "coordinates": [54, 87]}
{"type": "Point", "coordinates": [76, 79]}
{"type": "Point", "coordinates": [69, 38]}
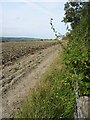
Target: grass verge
{"type": "Point", "coordinates": [53, 98]}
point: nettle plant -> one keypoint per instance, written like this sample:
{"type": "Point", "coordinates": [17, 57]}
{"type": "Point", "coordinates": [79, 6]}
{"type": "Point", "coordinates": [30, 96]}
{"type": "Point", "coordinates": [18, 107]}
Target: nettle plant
{"type": "Point", "coordinates": [57, 34]}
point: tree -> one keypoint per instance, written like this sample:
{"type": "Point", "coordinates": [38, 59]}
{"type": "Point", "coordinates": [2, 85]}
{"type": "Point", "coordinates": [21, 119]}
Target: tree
{"type": "Point", "coordinates": [73, 13]}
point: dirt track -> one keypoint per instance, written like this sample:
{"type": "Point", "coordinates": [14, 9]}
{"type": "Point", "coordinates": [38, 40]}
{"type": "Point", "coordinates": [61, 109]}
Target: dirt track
{"type": "Point", "coordinates": [22, 76]}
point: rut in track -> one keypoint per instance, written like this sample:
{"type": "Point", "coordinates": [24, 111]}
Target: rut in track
{"type": "Point", "coordinates": [23, 76]}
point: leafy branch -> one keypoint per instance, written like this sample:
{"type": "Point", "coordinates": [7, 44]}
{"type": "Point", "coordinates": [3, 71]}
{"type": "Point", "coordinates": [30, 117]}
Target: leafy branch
{"type": "Point", "coordinates": [57, 34]}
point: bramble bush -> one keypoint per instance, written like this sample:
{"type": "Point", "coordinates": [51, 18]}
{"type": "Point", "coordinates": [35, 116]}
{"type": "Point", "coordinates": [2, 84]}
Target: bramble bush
{"type": "Point", "coordinates": [76, 57]}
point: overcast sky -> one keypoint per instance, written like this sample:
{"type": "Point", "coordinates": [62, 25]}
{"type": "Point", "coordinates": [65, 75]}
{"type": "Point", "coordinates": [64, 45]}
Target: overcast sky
{"type": "Point", "coordinates": [31, 19]}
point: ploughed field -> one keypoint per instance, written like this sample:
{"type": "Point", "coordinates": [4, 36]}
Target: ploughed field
{"type": "Point", "coordinates": [22, 65]}
{"type": "Point", "coordinates": [19, 58]}
{"type": "Point", "coordinates": [11, 51]}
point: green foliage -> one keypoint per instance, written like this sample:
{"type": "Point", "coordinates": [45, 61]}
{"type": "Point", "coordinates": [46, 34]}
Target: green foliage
{"type": "Point", "coordinates": [76, 56]}
{"type": "Point", "coordinates": [57, 35]}
{"type": "Point", "coordinates": [73, 13]}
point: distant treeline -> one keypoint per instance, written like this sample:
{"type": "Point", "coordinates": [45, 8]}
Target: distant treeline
{"type": "Point", "coordinates": [7, 39]}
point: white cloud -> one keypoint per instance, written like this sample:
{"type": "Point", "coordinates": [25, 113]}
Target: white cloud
{"type": "Point", "coordinates": [0, 20]}
{"type": "Point", "coordinates": [13, 0]}
{"type": "Point", "coordinates": [34, 0]}
{"type": "Point", "coordinates": [41, 0]}
{"type": "Point", "coordinates": [31, 19]}
{"type": "Point", "coordinates": [48, 0]}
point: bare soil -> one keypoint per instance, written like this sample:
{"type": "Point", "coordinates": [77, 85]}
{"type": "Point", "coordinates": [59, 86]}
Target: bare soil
{"type": "Point", "coordinates": [22, 76]}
